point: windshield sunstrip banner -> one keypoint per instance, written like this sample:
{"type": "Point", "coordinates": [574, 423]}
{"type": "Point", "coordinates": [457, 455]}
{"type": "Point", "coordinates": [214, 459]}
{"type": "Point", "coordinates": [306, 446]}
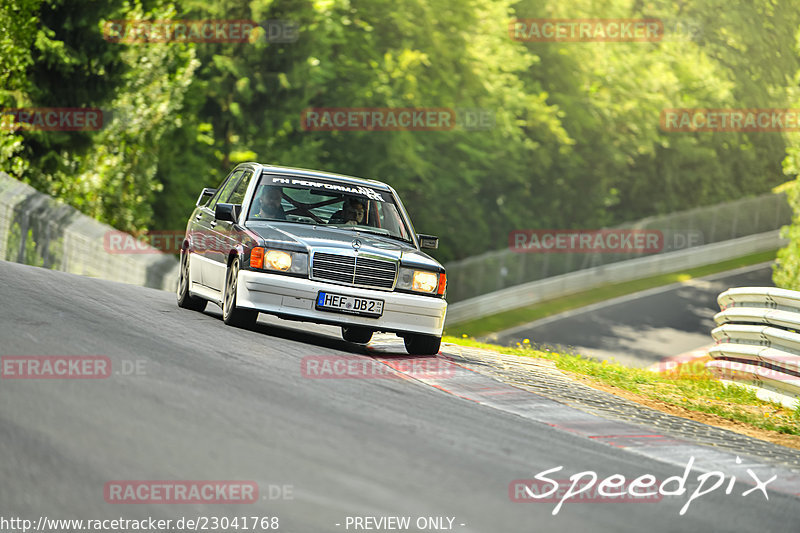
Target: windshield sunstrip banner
{"type": "Point", "coordinates": [359, 190]}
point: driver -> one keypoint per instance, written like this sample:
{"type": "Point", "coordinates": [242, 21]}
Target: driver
{"type": "Point", "coordinates": [353, 212]}
{"type": "Point", "coordinates": [268, 204]}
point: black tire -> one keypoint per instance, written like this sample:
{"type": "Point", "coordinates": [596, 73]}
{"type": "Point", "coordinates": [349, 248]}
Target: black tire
{"type": "Point", "coordinates": [357, 334]}
{"type": "Point", "coordinates": [186, 300]}
{"type": "Point", "coordinates": [231, 315]}
{"type": "Point", "coordinates": [422, 344]}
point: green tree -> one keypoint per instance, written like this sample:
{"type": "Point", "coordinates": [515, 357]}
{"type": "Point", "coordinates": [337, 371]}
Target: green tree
{"type": "Point", "coordinates": [108, 174]}
{"type": "Point", "coordinates": [470, 186]}
{"type": "Point", "coordinates": [18, 31]}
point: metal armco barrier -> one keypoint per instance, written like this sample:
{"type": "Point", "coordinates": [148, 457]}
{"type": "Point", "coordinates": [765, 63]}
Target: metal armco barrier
{"type": "Point", "coordinates": [758, 343]}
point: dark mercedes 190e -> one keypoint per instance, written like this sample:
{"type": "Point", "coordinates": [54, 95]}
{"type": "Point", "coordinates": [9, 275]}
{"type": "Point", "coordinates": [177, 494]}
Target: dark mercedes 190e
{"type": "Point", "coordinates": [313, 246]}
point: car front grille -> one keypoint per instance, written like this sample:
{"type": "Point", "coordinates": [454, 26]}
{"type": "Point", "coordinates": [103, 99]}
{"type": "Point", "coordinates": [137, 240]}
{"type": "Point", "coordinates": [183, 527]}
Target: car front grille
{"type": "Point", "coordinates": [354, 270]}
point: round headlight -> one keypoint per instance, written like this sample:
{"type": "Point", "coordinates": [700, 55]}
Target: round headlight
{"type": "Point", "coordinates": [277, 260]}
{"type": "Point", "coordinates": [424, 281]}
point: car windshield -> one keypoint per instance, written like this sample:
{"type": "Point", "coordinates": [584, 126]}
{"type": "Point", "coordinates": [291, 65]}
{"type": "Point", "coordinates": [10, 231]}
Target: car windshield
{"type": "Point", "coordinates": [328, 203]}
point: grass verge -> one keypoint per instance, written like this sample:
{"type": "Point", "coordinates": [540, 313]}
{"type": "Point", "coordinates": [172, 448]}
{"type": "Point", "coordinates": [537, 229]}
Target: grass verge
{"type": "Point", "coordinates": [687, 391]}
{"type": "Point", "coordinates": [523, 315]}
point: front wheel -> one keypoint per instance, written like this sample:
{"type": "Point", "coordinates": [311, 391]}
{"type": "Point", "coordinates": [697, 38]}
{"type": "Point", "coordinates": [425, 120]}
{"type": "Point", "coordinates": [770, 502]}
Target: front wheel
{"type": "Point", "coordinates": [231, 315]}
{"type": "Point", "coordinates": [186, 300]}
{"type": "Point", "coordinates": [422, 344]}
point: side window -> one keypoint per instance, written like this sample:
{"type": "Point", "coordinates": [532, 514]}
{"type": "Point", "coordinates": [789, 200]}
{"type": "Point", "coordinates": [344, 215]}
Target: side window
{"type": "Point", "coordinates": [389, 218]}
{"type": "Point", "coordinates": [226, 189]}
{"type": "Point", "coordinates": [238, 193]}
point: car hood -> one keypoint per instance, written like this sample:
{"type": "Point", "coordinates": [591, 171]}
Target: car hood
{"type": "Point", "coordinates": [304, 237]}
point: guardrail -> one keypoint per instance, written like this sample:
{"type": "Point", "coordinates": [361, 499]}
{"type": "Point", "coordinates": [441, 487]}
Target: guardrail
{"type": "Point", "coordinates": [758, 341]}
{"type": "Point", "coordinates": [557, 286]}
{"type": "Point", "coordinates": [493, 271]}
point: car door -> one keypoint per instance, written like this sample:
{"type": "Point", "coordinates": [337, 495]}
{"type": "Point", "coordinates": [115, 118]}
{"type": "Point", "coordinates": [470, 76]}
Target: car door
{"type": "Point", "coordinates": [224, 234]}
{"type": "Point", "coordinates": [204, 235]}
{"type": "Point", "coordinates": [197, 226]}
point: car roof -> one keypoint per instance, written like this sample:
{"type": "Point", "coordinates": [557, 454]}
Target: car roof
{"type": "Point", "coordinates": [307, 173]}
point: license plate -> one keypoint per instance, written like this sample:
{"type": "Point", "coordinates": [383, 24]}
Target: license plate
{"type": "Point", "coordinates": [340, 303]}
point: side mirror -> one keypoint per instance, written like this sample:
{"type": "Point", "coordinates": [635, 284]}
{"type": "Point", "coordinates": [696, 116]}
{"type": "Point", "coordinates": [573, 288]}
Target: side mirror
{"type": "Point", "coordinates": [227, 212]}
{"type": "Point", "coordinates": [208, 192]}
{"type": "Point", "coordinates": [430, 242]}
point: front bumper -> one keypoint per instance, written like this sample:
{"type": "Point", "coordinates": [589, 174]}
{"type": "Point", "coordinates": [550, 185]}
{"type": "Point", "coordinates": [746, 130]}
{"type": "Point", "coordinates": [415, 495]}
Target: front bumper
{"type": "Point", "coordinates": [294, 298]}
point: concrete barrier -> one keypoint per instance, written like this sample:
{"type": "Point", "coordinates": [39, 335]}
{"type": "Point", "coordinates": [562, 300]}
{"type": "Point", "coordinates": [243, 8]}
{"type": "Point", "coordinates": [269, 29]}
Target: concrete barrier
{"type": "Point", "coordinates": [38, 230]}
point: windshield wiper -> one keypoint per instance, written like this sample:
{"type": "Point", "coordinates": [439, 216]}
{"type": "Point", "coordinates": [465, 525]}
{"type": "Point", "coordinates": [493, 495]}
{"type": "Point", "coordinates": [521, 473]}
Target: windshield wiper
{"type": "Point", "coordinates": [389, 235]}
{"type": "Point", "coordinates": [372, 232]}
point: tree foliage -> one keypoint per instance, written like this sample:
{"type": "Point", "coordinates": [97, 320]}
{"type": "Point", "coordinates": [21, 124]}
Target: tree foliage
{"type": "Point", "coordinates": [576, 140]}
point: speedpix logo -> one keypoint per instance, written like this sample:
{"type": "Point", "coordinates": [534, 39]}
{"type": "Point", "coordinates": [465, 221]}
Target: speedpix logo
{"type": "Point", "coordinates": [587, 487]}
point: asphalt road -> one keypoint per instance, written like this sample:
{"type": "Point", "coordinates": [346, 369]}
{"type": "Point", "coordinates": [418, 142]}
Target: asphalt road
{"type": "Point", "coordinates": [210, 402]}
{"type": "Point", "coordinates": [643, 328]}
